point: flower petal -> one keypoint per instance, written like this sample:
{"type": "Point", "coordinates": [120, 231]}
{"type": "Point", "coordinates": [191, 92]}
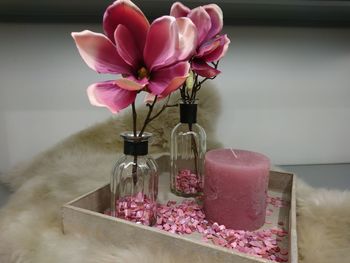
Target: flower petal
{"type": "Point", "coordinates": [208, 47]}
{"type": "Point", "coordinates": [161, 42]}
{"type": "Point", "coordinates": [143, 81]}
{"type": "Point", "coordinates": [149, 98]}
{"type": "Point", "coordinates": [187, 38]}
{"type": "Point", "coordinates": [202, 21]}
{"type": "Point", "coordinates": [179, 10]}
{"type": "Point", "coordinates": [216, 17]}
{"type": "Point", "coordinates": [220, 51]}
{"type": "Point", "coordinates": [99, 53]}
{"type": "Point", "coordinates": [128, 14]}
{"type": "Point", "coordinates": [128, 84]}
{"type": "Point", "coordinates": [108, 94]}
{"type": "Point", "coordinates": [127, 47]}
{"type": "Point", "coordinates": [173, 85]}
{"type": "Point", "coordinates": [203, 69]}
{"type": "Point", "coordinates": [166, 80]}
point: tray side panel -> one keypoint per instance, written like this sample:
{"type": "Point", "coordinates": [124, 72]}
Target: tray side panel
{"type": "Point", "coordinates": [281, 181]}
{"type": "Point", "coordinates": [293, 239]}
{"type": "Point", "coordinates": [97, 201]}
{"type": "Point", "coordinates": [76, 220]}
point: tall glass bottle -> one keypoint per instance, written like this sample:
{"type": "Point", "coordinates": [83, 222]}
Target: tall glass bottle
{"type": "Point", "coordinates": [188, 147]}
{"type": "Point", "coordinates": [134, 182]}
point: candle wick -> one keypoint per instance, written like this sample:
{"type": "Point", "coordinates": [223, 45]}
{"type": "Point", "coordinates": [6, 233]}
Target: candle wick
{"type": "Point", "coordinates": [234, 154]}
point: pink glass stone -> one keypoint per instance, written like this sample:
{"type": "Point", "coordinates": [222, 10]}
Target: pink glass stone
{"type": "Point", "coordinates": [188, 217]}
{"type": "Point", "coordinates": [139, 209]}
{"type": "Point", "coordinates": [188, 182]}
{"type": "Point", "coordinates": [284, 252]}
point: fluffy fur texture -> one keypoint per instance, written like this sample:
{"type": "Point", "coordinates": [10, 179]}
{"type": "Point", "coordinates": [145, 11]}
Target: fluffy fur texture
{"type": "Point", "coordinates": [30, 223]}
{"type": "Point", "coordinates": [323, 220]}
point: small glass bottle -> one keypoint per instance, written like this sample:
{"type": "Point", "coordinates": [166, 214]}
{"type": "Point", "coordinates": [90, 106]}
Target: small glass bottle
{"type": "Point", "coordinates": [134, 182]}
{"type": "Point", "coordinates": [188, 147]}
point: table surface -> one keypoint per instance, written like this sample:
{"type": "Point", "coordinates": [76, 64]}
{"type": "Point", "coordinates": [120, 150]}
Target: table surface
{"type": "Point", "coordinates": [335, 176]}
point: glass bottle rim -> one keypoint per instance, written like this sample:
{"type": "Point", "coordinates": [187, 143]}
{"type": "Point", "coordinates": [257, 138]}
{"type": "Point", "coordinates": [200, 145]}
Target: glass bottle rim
{"type": "Point", "coordinates": [195, 101]}
{"type": "Point", "coordinates": [129, 136]}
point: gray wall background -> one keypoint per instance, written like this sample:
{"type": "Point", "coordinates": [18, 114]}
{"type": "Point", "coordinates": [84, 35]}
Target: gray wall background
{"type": "Point", "coordinates": [285, 91]}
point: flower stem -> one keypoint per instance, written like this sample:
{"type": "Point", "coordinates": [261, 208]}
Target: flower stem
{"type": "Point", "coordinates": [134, 117]}
{"type": "Point", "coordinates": [194, 149]}
{"type": "Point", "coordinates": [149, 116]}
{"type": "Point", "coordinates": [198, 85]}
{"type": "Point", "coordinates": [147, 119]}
{"type": "Point", "coordinates": [134, 167]}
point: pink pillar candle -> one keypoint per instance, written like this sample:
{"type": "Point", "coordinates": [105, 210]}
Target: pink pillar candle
{"type": "Point", "coordinates": [235, 188]}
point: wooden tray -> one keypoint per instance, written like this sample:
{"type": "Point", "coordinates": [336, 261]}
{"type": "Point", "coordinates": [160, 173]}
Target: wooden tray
{"type": "Point", "coordinates": [84, 216]}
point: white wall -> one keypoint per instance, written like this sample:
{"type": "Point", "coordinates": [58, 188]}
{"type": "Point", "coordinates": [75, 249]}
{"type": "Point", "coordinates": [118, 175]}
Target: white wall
{"type": "Point", "coordinates": [285, 91]}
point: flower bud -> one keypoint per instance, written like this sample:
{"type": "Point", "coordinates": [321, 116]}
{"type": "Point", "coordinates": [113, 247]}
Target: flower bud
{"type": "Point", "coordinates": [189, 81]}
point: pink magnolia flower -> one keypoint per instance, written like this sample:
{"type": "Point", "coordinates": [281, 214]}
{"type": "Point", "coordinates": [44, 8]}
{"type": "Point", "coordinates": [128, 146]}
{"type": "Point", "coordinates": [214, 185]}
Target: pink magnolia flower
{"type": "Point", "coordinates": [211, 46]}
{"type": "Point", "coordinates": [151, 58]}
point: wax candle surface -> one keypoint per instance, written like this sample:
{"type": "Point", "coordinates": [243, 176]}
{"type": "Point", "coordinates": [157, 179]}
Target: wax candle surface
{"type": "Point", "coordinates": [235, 188]}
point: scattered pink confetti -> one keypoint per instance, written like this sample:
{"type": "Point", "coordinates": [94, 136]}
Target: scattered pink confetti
{"type": "Point", "coordinates": [284, 252]}
{"type": "Point", "coordinates": [277, 202]}
{"type": "Point", "coordinates": [188, 217]}
{"type": "Point", "coordinates": [188, 182]}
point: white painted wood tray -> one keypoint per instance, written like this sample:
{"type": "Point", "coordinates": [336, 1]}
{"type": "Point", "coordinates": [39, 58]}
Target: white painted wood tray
{"type": "Point", "coordinates": [84, 216]}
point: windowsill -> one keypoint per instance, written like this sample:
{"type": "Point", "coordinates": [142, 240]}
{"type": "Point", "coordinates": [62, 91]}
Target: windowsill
{"type": "Point", "coordinates": [334, 176]}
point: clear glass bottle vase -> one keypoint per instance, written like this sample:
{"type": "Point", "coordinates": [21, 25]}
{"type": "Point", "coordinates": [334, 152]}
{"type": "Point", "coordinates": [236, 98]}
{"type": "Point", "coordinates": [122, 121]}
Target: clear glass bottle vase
{"type": "Point", "coordinates": [188, 147]}
{"type": "Point", "coordinates": [134, 182]}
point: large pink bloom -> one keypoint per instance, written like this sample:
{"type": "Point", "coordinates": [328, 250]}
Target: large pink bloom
{"type": "Point", "coordinates": [211, 46]}
{"type": "Point", "coordinates": [152, 57]}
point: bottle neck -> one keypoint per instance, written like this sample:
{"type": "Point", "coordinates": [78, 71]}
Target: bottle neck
{"type": "Point", "coordinates": [135, 147]}
{"type": "Point", "coordinates": [188, 113]}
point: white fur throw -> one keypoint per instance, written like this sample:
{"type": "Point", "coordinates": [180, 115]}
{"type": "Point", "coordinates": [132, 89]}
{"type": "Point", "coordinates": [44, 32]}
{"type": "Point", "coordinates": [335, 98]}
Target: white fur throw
{"type": "Point", "coordinates": [30, 223]}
